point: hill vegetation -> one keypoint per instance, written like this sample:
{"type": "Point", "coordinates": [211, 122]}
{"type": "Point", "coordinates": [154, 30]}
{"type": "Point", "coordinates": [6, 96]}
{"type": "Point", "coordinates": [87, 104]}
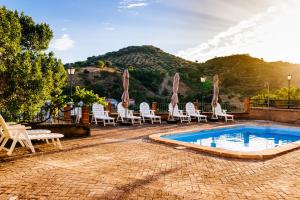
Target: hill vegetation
{"type": "Point", "coordinates": [151, 71]}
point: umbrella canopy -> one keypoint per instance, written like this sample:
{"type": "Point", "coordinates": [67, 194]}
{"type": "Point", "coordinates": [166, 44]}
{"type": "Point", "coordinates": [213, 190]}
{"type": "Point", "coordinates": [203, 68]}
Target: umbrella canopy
{"type": "Point", "coordinates": [174, 98]}
{"type": "Point", "coordinates": [125, 95]}
{"type": "Point", "coordinates": [216, 93]}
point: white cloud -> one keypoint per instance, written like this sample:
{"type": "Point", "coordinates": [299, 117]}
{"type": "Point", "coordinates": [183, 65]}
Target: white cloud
{"type": "Point", "coordinates": [273, 35]}
{"type": "Point", "coordinates": [129, 4]}
{"type": "Point", "coordinates": [63, 29]}
{"type": "Point", "coordinates": [63, 43]}
{"type": "Point", "coordinates": [109, 28]}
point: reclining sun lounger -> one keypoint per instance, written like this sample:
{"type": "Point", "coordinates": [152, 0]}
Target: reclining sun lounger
{"type": "Point", "coordinates": [193, 113]}
{"type": "Point", "coordinates": [125, 114]}
{"type": "Point", "coordinates": [146, 113]}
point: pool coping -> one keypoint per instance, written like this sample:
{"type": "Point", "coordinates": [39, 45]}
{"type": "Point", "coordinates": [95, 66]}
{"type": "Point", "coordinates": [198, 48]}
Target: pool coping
{"type": "Point", "coordinates": [257, 155]}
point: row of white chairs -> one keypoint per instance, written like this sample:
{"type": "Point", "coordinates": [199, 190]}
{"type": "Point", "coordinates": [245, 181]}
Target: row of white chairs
{"type": "Point", "coordinates": [192, 113]}
{"type": "Point", "coordinates": [100, 115]}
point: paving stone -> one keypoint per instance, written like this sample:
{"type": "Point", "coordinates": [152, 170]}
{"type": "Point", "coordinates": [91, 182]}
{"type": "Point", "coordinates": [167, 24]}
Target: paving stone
{"type": "Point", "coordinates": [120, 163]}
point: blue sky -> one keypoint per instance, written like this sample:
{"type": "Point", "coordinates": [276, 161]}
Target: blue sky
{"type": "Point", "coordinates": [192, 29]}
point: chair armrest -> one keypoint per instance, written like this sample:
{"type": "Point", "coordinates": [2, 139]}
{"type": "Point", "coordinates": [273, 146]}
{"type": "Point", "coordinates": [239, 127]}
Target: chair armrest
{"type": "Point", "coordinates": [152, 112]}
{"type": "Point", "coordinates": [11, 123]}
{"type": "Point", "coordinates": [130, 112]}
{"type": "Point", "coordinates": [15, 126]}
{"type": "Point", "coordinates": [181, 112]}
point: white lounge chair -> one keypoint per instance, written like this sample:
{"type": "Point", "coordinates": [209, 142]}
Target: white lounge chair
{"type": "Point", "coordinates": [100, 114]}
{"type": "Point", "coordinates": [193, 113]}
{"type": "Point", "coordinates": [28, 128]}
{"type": "Point", "coordinates": [122, 115]}
{"type": "Point", "coordinates": [178, 114]}
{"type": "Point", "coordinates": [222, 113]}
{"type": "Point", "coordinates": [146, 113]}
{"type": "Point", "coordinates": [20, 134]}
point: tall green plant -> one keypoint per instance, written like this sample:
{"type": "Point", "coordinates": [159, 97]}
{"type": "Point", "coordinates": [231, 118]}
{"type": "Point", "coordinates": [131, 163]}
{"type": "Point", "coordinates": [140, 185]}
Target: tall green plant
{"type": "Point", "coordinates": [28, 76]}
{"type": "Point", "coordinates": [88, 97]}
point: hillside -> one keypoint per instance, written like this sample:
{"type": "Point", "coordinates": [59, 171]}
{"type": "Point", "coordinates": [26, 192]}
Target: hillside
{"type": "Point", "coordinates": [151, 71]}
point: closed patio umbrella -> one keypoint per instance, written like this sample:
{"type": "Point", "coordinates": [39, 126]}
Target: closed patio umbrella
{"type": "Point", "coordinates": [125, 95]}
{"type": "Point", "coordinates": [174, 98]}
{"type": "Point", "coordinates": [214, 101]}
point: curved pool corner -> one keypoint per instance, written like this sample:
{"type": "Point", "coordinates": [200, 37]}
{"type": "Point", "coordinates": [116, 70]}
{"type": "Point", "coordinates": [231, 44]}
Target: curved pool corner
{"type": "Point", "coordinates": [255, 155]}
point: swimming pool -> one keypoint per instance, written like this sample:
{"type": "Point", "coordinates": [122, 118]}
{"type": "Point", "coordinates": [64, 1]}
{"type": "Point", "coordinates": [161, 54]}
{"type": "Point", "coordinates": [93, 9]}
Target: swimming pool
{"type": "Point", "coordinates": [249, 141]}
{"type": "Point", "coordinates": [241, 138]}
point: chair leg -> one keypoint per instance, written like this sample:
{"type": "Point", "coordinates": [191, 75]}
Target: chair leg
{"type": "Point", "coordinates": [58, 143]}
{"type": "Point", "coordinates": [22, 144]}
{"type": "Point", "coordinates": [31, 146]}
{"type": "Point", "coordinates": [3, 143]}
{"type": "Point", "coordinates": [1, 138]}
{"type": "Point", "coordinates": [53, 141]}
{"type": "Point", "coordinates": [12, 147]}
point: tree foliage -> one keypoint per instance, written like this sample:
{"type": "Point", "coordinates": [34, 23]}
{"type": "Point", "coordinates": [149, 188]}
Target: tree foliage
{"type": "Point", "coordinates": [280, 94]}
{"type": "Point", "coordinates": [28, 76]}
{"type": "Point", "coordinates": [100, 64]}
{"type": "Point", "coordinates": [88, 97]}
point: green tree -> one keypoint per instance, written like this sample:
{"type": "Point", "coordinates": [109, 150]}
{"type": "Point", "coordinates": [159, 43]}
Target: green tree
{"type": "Point", "coordinates": [100, 64]}
{"type": "Point", "coordinates": [280, 94]}
{"type": "Point", "coordinates": [28, 76]}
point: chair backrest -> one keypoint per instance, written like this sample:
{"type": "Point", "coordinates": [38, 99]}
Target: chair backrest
{"type": "Point", "coordinates": [4, 127]}
{"type": "Point", "coordinates": [190, 108]}
{"type": "Point", "coordinates": [173, 110]}
{"type": "Point", "coordinates": [121, 110]}
{"type": "Point", "coordinates": [98, 110]}
{"type": "Point", "coordinates": [145, 109]}
{"type": "Point", "coordinates": [218, 109]}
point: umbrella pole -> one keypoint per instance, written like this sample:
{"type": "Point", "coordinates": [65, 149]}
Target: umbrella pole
{"type": "Point", "coordinates": [173, 113]}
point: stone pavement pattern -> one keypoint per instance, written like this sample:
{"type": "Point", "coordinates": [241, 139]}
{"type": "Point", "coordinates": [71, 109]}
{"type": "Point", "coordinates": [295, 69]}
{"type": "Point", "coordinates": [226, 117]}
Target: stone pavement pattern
{"type": "Point", "coordinates": [121, 163]}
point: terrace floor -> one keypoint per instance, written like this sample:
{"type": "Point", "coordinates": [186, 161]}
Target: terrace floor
{"type": "Point", "coordinates": [121, 163]}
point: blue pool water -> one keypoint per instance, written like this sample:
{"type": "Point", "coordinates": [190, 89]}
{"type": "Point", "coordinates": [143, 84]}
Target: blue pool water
{"type": "Point", "coordinates": [241, 138]}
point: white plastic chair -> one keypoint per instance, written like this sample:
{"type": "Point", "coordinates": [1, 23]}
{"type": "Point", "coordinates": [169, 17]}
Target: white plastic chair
{"type": "Point", "coordinates": [193, 113]}
{"type": "Point", "coordinates": [178, 114]}
{"type": "Point", "coordinates": [146, 113]}
{"type": "Point", "coordinates": [100, 114]}
{"type": "Point", "coordinates": [77, 112]}
{"type": "Point", "coordinates": [122, 115]}
{"type": "Point", "coordinates": [20, 134]}
{"type": "Point", "coordinates": [222, 113]}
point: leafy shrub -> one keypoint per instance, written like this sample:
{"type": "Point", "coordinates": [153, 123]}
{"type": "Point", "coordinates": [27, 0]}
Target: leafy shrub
{"type": "Point", "coordinates": [88, 97]}
{"type": "Point", "coordinates": [100, 64]}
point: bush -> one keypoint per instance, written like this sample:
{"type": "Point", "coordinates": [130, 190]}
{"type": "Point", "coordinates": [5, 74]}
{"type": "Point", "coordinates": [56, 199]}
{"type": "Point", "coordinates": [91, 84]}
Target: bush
{"type": "Point", "coordinates": [88, 97]}
{"type": "Point", "coordinates": [100, 64]}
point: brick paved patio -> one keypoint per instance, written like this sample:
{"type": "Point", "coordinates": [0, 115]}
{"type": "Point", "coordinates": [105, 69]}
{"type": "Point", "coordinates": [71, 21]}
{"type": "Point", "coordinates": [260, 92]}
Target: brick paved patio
{"type": "Point", "coordinates": [121, 163]}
